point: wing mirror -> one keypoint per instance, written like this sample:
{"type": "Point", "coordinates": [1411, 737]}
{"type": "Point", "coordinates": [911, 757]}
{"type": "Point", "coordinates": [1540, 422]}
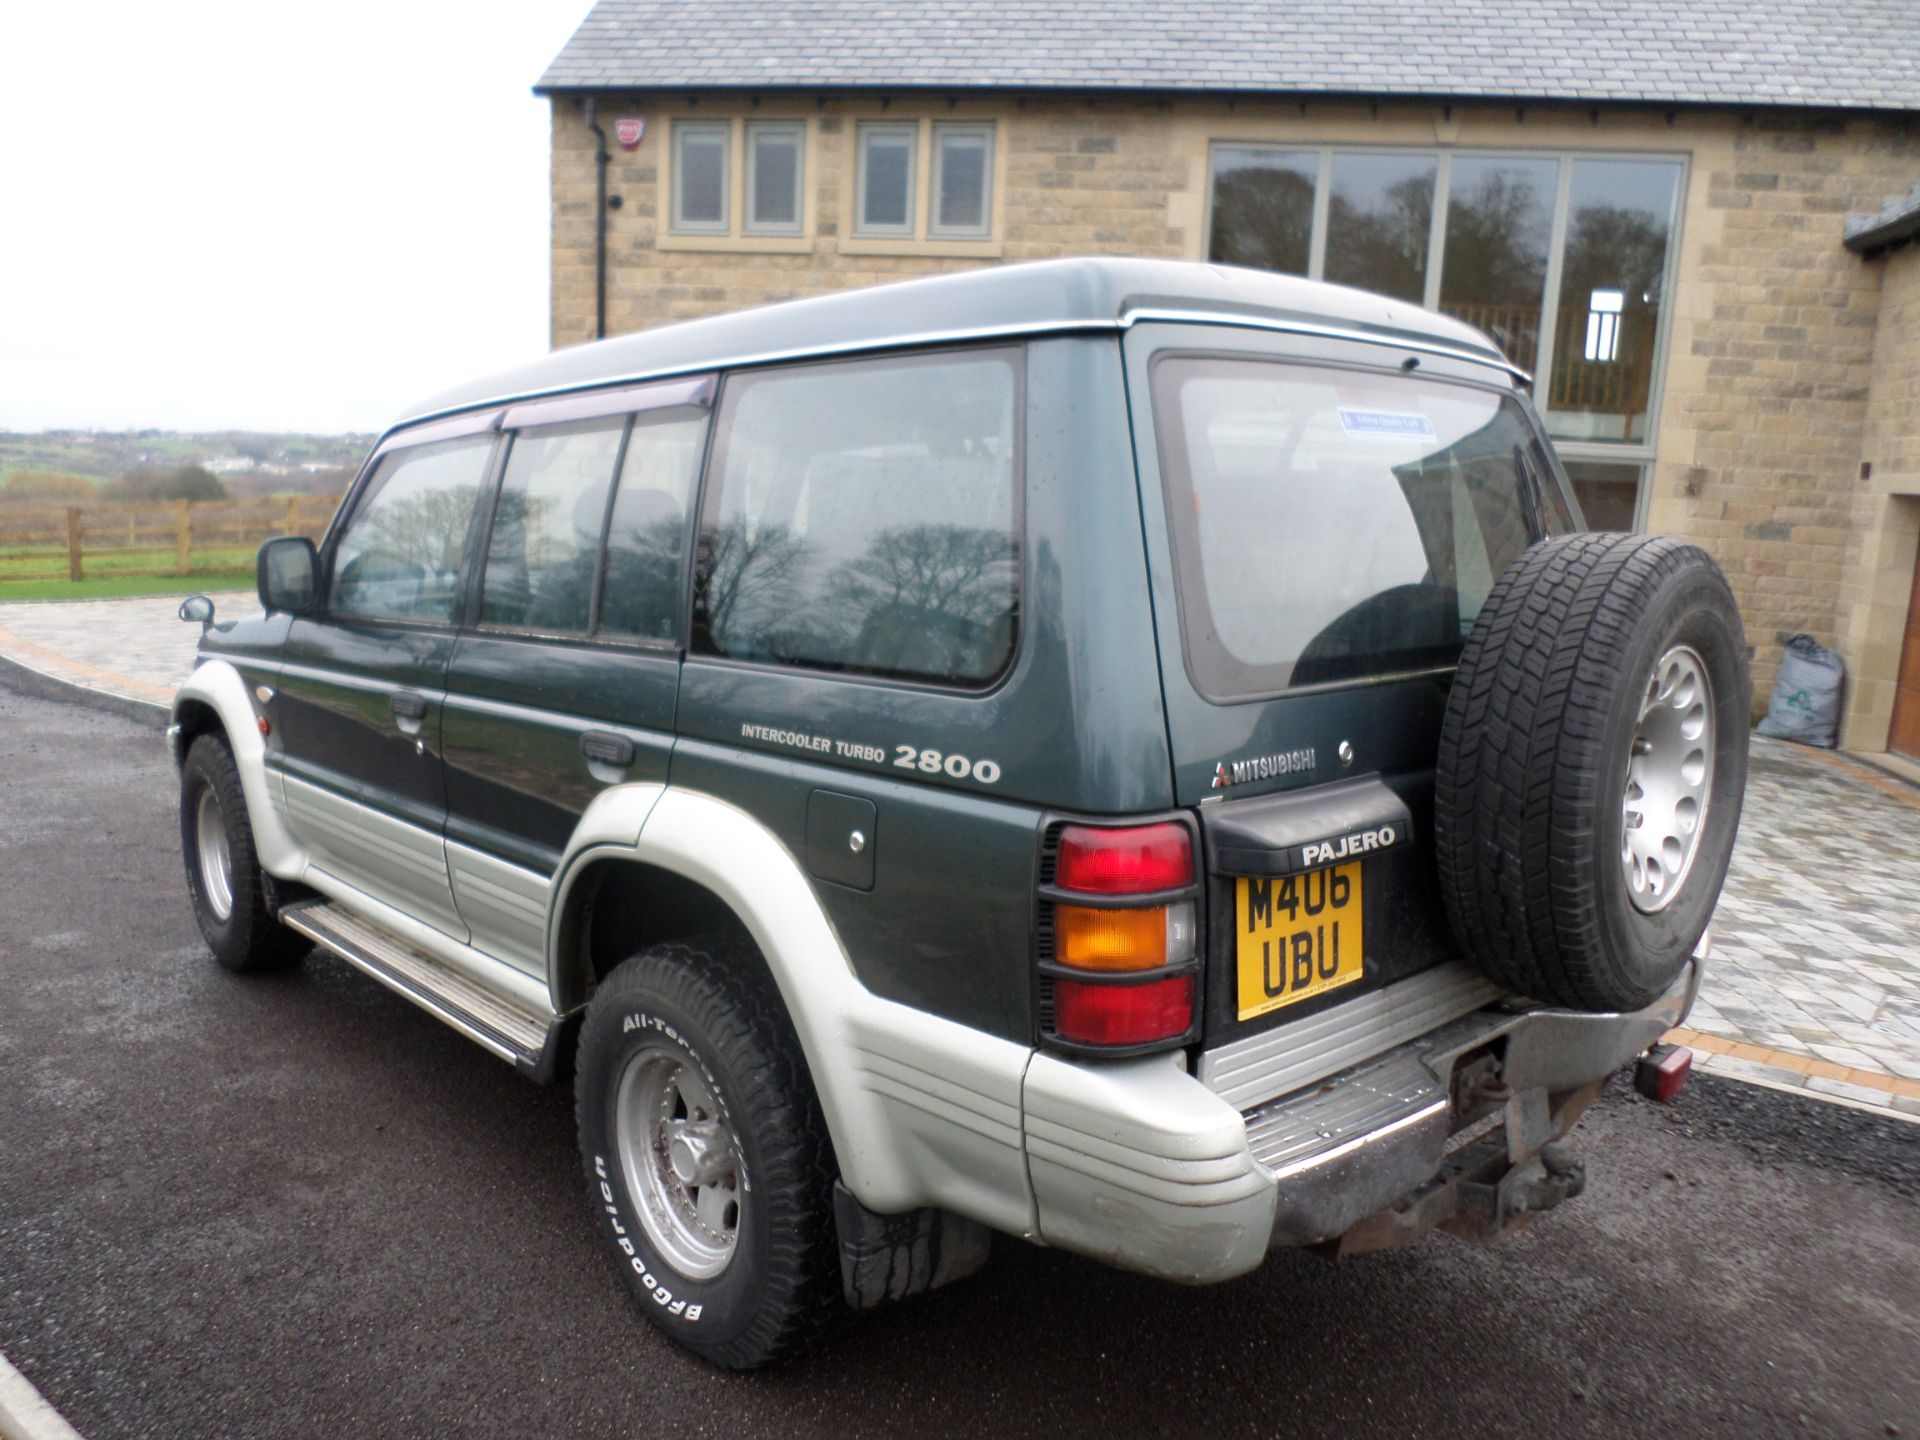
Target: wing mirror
{"type": "Point", "coordinates": [286, 573]}
{"type": "Point", "coordinates": [197, 608]}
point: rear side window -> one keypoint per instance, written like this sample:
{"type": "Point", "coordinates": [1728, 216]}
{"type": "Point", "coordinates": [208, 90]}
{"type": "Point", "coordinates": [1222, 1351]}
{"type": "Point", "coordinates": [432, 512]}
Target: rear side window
{"type": "Point", "coordinates": [647, 541]}
{"type": "Point", "coordinates": [545, 544]}
{"type": "Point", "coordinates": [399, 556]}
{"type": "Point", "coordinates": [863, 517]}
{"type": "Point", "coordinates": [1333, 525]}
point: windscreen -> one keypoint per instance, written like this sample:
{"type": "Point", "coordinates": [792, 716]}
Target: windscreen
{"type": "Point", "coordinates": [1333, 525]}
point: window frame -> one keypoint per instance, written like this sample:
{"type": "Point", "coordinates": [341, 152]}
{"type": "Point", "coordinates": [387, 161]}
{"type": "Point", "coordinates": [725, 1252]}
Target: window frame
{"type": "Point", "coordinates": [749, 223]}
{"type": "Point", "coordinates": [984, 130]}
{"type": "Point", "coordinates": [1623, 451]}
{"type": "Point", "coordinates": [696, 638]}
{"type": "Point", "coordinates": [864, 130]}
{"type": "Point", "coordinates": [678, 224]}
{"type": "Point", "coordinates": [457, 427]}
{"type": "Point", "coordinates": [693, 393]}
{"type": "Point", "coordinates": [475, 607]}
{"type": "Point", "coordinates": [1187, 576]}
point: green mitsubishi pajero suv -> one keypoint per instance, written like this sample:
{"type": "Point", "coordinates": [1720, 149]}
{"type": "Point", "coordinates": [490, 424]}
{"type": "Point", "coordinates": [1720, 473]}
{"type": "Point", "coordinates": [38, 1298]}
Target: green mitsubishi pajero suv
{"type": "Point", "coordinates": [1138, 756]}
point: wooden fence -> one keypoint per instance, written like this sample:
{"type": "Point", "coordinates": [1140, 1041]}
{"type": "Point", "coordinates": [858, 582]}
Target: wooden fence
{"type": "Point", "coordinates": [39, 541]}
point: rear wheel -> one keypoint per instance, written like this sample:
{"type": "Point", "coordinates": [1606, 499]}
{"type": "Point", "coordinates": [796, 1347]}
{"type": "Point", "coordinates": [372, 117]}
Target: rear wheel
{"type": "Point", "coordinates": [1592, 764]}
{"type": "Point", "coordinates": [229, 889]}
{"type": "Point", "coordinates": [706, 1155]}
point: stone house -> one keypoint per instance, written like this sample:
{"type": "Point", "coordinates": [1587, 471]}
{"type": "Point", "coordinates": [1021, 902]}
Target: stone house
{"type": "Point", "coordinates": [1646, 203]}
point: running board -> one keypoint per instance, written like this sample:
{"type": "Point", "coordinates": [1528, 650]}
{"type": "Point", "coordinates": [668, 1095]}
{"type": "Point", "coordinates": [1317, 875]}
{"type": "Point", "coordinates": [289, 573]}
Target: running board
{"type": "Point", "coordinates": [525, 1039]}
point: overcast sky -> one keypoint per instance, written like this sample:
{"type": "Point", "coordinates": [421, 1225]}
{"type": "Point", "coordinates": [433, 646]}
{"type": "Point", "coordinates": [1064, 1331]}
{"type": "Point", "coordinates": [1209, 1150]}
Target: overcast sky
{"type": "Point", "coordinates": [268, 216]}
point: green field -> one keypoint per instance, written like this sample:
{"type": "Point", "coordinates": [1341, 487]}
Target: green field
{"type": "Point", "coordinates": [111, 586]}
{"type": "Point", "coordinates": [107, 573]}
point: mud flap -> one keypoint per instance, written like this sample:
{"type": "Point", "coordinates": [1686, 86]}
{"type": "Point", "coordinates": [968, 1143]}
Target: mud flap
{"type": "Point", "coordinates": [884, 1258]}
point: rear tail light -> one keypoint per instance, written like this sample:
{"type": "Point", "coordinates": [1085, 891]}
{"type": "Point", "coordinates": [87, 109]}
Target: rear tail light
{"type": "Point", "coordinates": [1086, 1013]}
{"type": "Point", "coordinates": [1119, 963]}
{"type": "Point", "coordinates": [1133, 860]}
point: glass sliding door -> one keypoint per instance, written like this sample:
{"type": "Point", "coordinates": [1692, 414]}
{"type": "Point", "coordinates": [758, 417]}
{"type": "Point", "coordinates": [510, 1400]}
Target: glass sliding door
{"type": "Point", "coordinates": [1493, 273]}
{"type": "Point", "coordinates": [1380, 222]}
{"type": "Point", "coordinates": [1619, 228]}
{"type": "Point", "coordinates": [1263, 207]}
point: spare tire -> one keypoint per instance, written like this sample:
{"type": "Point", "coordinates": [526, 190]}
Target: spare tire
{"type": "Point", "coordinates": [1592, 764]}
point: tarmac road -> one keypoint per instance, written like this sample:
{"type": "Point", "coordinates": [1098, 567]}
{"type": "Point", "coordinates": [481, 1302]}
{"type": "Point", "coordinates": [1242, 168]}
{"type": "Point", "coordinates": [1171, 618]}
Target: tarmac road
{"type": "Point", "coordinates": [297, 1206]}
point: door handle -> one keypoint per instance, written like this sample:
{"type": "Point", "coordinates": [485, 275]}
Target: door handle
{"type": "Point", "coordinates": [603, 747]}
{"type": "Point", "coordinates": [409, 706]}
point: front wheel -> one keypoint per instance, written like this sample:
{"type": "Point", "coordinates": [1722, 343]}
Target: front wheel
{"type": "Point", "coordinates": [706, 1155]}
{"type": "Point", "coordinates": [224, 877]}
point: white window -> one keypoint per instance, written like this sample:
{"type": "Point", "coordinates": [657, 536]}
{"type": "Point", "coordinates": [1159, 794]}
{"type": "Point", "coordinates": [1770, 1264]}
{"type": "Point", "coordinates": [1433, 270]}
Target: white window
{"type": "Point", "coordinates": [884, 203]}
{"type": "Point", "coordinates": [776, 161]}
{"type": "Point", "coordinates": [702, 176]}
{"type": "Point", "coordinates": [962, 181]}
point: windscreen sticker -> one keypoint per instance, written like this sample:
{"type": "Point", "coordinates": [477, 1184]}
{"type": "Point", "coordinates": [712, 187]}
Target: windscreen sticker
{"type": "Point", "coordinates": [1386, 424]}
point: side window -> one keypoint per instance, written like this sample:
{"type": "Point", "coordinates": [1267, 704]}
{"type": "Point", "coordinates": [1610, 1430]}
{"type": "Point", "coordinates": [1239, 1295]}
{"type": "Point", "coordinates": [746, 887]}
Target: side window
{"type": "Point", "coordinates": [863, 517]}
{"type": "Point", "coordinates": [545, 543]}
{"type": "Point", "coordinates": [399, 556]}
{"type": "Point", "coordinates": [647, 541]}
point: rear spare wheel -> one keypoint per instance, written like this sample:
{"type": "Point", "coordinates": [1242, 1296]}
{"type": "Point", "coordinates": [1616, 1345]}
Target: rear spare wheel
{"type": "Point", "coordinates": [1592, 763]}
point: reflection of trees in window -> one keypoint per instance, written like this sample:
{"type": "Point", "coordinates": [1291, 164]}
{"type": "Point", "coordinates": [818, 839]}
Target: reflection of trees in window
{"type": "Point", "coordinates": [934, 600]}
{"type": "Point", "coordinates": [402, 557]}
{"type": "Point", "coordinates": [642, 592]}
{"type": "Point", "coordinates": [1378, 241]}
{"type": "Point", "coordinates": [749, 582]}
{"type": "Point", "coordinates": [1263, 216]}
{"type": "Point", "coordinates": [428, 529]}
{"type": "Point", "coordinates": [1499, 218]}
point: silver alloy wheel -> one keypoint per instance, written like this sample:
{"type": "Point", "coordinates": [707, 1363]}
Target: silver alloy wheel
{"type": "Point", "coordinates": [1669, 772]}
{"type": "Point", "coordinates": [215, 853]}
{"type": "Point", "coordinates": [681, 1164]}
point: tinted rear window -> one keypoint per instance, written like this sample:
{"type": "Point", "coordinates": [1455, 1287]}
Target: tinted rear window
{"type": "Point", "coordinates": [1333, 525]}
{"type": "Point", "coordinates": [863, 517]}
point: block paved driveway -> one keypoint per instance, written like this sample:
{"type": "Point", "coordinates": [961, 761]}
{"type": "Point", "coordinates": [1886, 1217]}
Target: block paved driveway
{"type": "Point", "coordinates": [1815, 980]}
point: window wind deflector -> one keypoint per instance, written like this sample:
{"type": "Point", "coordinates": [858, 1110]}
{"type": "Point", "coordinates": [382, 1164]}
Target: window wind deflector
{"type": "Point", "coordinates": [662, 395]}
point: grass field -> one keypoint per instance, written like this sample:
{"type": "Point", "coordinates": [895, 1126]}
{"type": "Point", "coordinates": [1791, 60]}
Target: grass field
{"type": "Point", "coordinates": [113, 586]}
{"type": "Point", "coordinates": [108, 574]}
{"type": "Point", "coordinates": [50, 561]}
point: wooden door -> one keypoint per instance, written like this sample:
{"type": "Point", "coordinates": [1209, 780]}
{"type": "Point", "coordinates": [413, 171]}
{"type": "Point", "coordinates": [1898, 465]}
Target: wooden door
{"type": "Point", "coordinates": [1906, 698]}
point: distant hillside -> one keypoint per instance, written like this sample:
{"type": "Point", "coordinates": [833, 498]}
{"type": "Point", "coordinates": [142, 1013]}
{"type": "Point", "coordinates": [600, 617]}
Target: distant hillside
{"type": "Point", "coordinates": [247, 461]}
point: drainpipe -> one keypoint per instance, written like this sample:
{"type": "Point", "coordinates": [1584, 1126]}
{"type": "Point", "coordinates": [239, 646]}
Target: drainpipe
{"type": "Point", "coordinates": [600, 161]}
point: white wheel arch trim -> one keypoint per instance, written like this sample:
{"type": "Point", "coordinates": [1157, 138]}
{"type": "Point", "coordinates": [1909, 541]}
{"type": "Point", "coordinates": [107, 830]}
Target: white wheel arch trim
{"type": "Point", "coordinates": [922, 1111]}
{"type": "Point", "coordinates": [217, 684]}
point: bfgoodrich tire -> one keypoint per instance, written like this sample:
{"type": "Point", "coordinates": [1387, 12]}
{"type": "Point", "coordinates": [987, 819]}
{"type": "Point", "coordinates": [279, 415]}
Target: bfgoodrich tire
{"type": "Point", "coordinates": [706, 1155]}
{"type": "Point", "coordinates": [229, 889]}
{"type": "Point", "coordinates": [1592, 764]}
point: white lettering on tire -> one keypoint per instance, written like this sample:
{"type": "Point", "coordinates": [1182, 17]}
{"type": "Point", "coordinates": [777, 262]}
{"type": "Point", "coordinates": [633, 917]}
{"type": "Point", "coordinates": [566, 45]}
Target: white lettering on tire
{"type": "Point", "coordinates": [662, 1296]}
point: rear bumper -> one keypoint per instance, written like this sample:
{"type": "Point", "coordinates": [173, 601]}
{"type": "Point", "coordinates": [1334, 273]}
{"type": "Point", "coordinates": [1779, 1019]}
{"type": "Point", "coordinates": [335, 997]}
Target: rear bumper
{"type": "Point", "coordinates": [1142, 1165]}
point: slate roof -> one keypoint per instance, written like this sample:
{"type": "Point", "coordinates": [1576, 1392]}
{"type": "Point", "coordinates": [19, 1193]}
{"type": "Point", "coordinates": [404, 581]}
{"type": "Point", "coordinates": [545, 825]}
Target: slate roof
{"type": "Point", "coordinates": [1898, 219]}
{"type": "Point", "coordinates": [1849, 54]}
{"type": "Point", "coordinates": [1090, 294]}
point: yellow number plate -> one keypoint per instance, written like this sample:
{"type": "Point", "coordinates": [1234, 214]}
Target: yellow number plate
{"type": "Point", "coordinates": [1298, 936]}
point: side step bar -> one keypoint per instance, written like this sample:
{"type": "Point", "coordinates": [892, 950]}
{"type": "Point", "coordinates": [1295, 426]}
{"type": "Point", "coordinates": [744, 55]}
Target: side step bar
{"type": "Point", "coordinates": [529, 1041]}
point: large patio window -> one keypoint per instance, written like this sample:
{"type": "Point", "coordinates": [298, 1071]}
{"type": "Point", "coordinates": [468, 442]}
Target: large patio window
{"type": "Point", "coordinates": [1564, 259]}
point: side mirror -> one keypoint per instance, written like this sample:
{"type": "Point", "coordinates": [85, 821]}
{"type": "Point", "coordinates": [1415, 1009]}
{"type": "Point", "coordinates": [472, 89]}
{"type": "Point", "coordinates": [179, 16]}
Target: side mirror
{"type": "Point", "coordinates": [197, 607]}
{"type": "Point", "coordinates": [285, 574]}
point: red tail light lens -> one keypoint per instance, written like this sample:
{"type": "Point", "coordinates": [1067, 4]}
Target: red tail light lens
{"type": "Point", "coordinates": [1131, 860]}
{"type": "Point", "coordinates": [1095, 1014]}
